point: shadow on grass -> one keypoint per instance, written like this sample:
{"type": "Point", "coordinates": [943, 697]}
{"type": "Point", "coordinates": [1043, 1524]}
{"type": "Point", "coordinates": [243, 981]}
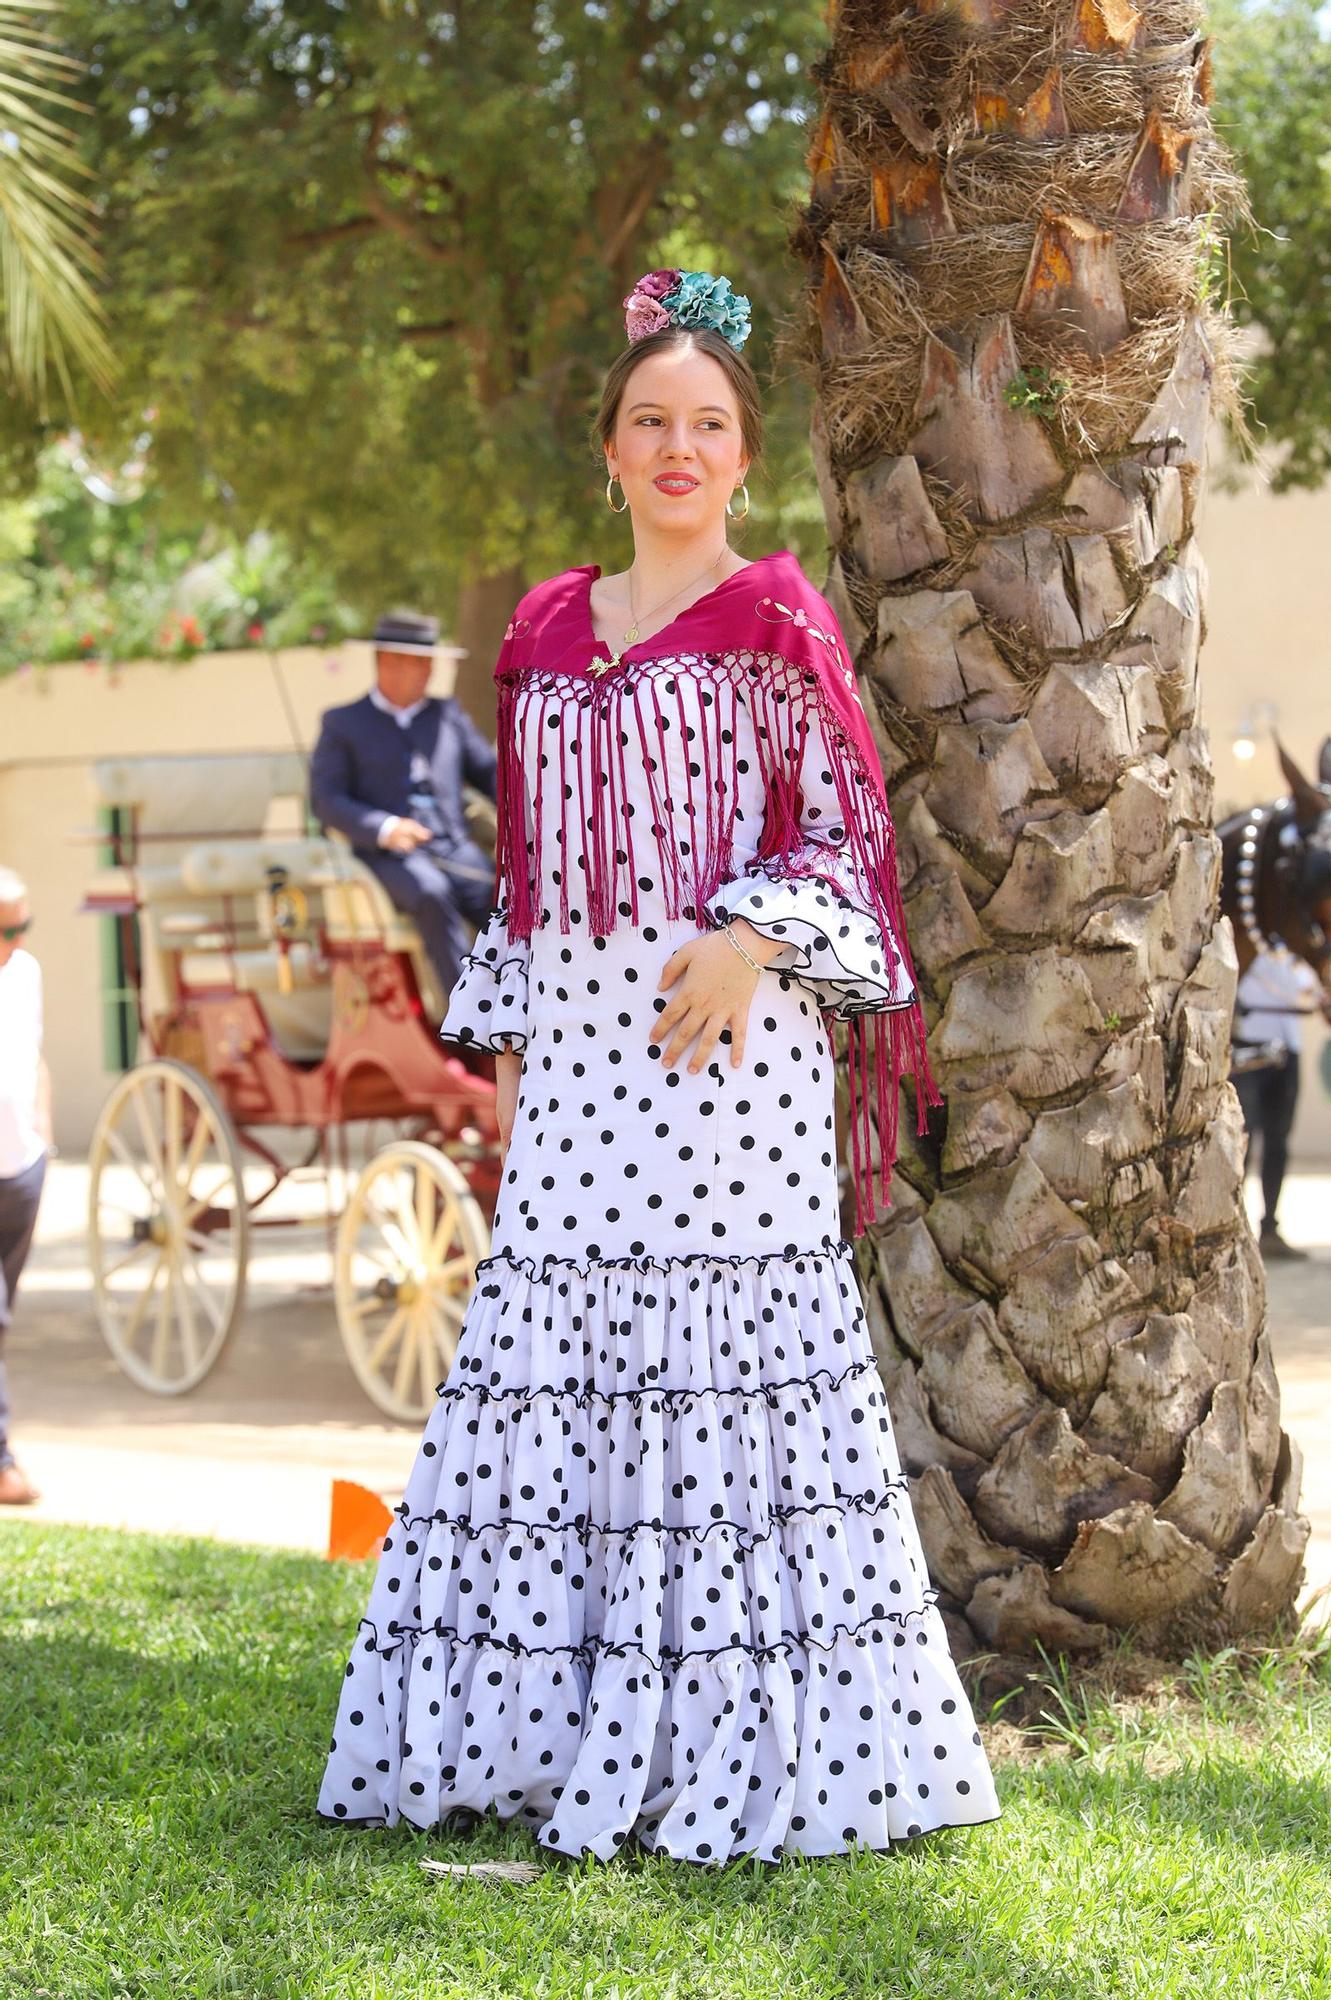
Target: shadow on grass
{"type": "Point", "coordinates": [245, 1734]}
{"type": "Point", "coordinates": [168, 1707]}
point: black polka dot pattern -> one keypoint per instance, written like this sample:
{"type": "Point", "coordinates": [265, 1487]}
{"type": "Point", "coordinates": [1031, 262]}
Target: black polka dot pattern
{"type": "Point", "coordinates": [655, 1576]}
{"type": "Point", "coordinates": [488, 1006]}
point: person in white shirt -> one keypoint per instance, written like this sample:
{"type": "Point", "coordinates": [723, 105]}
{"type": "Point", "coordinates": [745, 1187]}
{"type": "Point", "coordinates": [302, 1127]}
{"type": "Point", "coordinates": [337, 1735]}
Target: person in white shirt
{"type": "Point", "coordinates": [25, 1135]}
{"type": "Point", "coordinates": [1275, 996]}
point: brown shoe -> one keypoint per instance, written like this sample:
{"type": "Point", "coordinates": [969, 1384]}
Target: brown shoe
{"type": "Point", "coordinates": [16, 1489]}
{"type": "Point", "coordinates": [1273, 1246]}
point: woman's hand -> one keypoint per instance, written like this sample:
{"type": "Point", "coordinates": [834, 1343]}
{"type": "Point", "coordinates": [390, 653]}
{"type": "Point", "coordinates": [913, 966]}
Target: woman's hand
{"type": "Point", "coordinates": [508, 1076]}
{"type": "Point", "coordinates": [713, 991]}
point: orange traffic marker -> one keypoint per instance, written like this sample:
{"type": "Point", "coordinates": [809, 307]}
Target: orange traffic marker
{"type": "Point", "coordinates": [357, 1524]}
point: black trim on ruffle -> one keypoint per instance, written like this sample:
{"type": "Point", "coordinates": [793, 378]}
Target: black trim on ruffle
{"type": "Point", "coordinates": [497, 1042]}
{"type": "Point", "coordinates": [529, 1816]}
{"type": "Point", "coordinates": [857, 1503]}
{"type": "Point", "coordinates": [496, 965]}
{"type": "Point", "coordinates": [659, 1849]}
{"type": "Point", "coordinates": [845, 1005]}
{"type": "Point", "coordinates": [599, 1648]}
{"type": "Point", "coordinates": [846, 1010]}
{"type": "Point", "coordinates": [830, 1248]}
{"type": "Point", "coordinates": [766, 1392]}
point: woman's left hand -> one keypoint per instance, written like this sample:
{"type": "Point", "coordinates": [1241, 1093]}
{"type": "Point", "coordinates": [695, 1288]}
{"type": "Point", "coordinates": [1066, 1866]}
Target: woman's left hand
{"type": "Point", "coordinates": [713, 991]}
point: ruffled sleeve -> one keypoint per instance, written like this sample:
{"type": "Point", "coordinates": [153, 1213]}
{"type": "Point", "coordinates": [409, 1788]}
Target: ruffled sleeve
{"type": "Point", "coordinates": [816, 899]}
{"type": "Point", "coordinates": [488, 1006]}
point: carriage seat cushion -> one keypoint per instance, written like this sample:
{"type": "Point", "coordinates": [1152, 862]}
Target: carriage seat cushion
{"type": "Point", "coordinates": [241, 867]}
{"type": "Point", "coordinates": [191, 893]}
{"type": "Point", "coordinates": [355, 903]}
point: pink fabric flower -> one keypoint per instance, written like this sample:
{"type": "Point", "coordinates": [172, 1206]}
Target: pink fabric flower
{"type": "Point", "coordinates": [642, 315]}
{"type": "Point", "coordinates": [657, 284]}
{"type": "Point", "coordinates": [643, 311]}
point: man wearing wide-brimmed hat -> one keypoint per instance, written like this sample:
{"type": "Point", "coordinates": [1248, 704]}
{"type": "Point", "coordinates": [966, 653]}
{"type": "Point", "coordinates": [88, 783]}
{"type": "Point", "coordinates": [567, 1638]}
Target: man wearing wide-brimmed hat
{"type": "Point", "coordinates": [388, 772]}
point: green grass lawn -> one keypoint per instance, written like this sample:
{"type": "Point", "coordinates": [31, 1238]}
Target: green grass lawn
{"type": "Point", "coordinates": [164, 1713]}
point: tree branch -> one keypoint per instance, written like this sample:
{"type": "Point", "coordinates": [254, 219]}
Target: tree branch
{"type": "Point", "coordinates": [410, 227]}
{"type": "Point", "coordinates": [633, 212]}
{"type": "Point", "coordinates": [335, 232]}
{"type": "Point", "coordinates": [429, 330]}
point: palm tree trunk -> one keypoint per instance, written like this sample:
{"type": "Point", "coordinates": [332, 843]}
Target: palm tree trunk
{"type": "Point", "coordinates": [1010, 251]}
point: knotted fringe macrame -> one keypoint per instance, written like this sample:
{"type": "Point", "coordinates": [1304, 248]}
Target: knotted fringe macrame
{"type": "Point", "coordinates": [694, 835]}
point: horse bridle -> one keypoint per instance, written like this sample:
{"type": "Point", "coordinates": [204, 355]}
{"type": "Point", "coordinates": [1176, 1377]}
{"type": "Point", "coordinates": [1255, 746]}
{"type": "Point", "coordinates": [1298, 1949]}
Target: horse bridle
{"type": "Point", "coordinates": [1252, 862]}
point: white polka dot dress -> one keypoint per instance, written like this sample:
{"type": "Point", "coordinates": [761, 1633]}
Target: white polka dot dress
{"type": "Point", "coordinates": [655, 1577]}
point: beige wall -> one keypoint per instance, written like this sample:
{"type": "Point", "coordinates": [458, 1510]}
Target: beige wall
{"type": "Point", "coordinates": [1269, 640]}
{"type": "Point", "coordinates": [1269, 632]}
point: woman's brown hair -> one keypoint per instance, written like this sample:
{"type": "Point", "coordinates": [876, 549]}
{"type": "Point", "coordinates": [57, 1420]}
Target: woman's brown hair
{"type": "Point", "coordinates": [741, 377]}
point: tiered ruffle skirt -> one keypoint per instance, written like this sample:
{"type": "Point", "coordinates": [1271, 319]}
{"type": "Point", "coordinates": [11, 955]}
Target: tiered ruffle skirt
{"type": "Point", "coordinates": [655, 1577]}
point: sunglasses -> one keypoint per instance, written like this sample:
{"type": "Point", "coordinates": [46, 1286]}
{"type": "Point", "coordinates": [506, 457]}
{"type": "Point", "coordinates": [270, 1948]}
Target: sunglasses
{"type": "Point", "coordinates": [10, 933]}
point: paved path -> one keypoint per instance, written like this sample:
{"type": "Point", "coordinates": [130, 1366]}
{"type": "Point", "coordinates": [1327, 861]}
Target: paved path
{"type": "Point", "coordinates": [251, 1455]}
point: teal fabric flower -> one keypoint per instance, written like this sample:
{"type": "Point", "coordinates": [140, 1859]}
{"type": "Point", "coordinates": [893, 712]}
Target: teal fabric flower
{"type": "Point", "coordinates": [700, 299]}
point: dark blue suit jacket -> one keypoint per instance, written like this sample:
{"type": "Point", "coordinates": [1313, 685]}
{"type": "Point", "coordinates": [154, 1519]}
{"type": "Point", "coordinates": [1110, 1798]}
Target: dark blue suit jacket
{"type": "Point", "coordinates": [360, 772]}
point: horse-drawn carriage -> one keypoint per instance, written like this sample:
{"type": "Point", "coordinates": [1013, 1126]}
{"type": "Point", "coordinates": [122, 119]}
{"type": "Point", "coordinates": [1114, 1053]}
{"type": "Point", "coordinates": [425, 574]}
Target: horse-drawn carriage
{"type": "Point", "coordinates": [286, 1020]}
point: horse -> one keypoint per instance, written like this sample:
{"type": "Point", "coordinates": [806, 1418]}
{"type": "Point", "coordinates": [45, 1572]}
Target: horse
{"type": "Point", "coordinates": [1275, 880]}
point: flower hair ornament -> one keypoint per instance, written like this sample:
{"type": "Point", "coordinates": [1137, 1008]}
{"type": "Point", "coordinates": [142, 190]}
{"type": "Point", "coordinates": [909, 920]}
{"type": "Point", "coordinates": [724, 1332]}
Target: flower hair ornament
{"type": "Point", "coordinates": [686, 298]}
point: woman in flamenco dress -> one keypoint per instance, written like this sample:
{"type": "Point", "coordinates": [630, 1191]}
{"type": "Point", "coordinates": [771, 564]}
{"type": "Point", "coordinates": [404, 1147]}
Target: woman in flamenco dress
{"type": "Point", "coordinates": [655, 1578]}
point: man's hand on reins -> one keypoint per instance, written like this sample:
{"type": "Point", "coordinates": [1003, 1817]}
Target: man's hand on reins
{"type": "Point", "coordinates": [404, 836]}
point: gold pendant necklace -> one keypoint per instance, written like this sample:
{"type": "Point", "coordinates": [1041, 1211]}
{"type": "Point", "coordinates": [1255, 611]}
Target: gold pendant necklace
{"type": "Point", "coordinates": [630, 633]}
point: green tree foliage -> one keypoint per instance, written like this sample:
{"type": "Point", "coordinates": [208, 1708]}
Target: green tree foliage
{"type": "Point", "coordinates": [366, 262]}
{"type": "Point", "coordinates": [1273, 104]}
{"type": "Point", "coordinates": [90, 571]}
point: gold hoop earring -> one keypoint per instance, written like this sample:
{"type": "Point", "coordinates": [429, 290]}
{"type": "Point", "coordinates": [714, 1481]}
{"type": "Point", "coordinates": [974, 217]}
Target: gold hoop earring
{"type": "Point", "coordinates": [609, 497]}
{"type": "Point", "coordinates": [742, 488]}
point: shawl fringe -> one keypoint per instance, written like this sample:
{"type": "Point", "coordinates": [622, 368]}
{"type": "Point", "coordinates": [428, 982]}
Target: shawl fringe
{"type": "Point", "coordinates": [693, 838]}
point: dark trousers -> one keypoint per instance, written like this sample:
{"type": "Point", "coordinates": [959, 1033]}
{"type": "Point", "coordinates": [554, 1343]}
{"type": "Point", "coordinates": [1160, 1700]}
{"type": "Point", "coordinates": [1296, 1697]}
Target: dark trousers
{"type": "Point", "coordinates": [19, 1199]}
{"type": "Point", "coordinates": [438, 886]}
{"type": "Point", "coordinates": [1268, 1097]}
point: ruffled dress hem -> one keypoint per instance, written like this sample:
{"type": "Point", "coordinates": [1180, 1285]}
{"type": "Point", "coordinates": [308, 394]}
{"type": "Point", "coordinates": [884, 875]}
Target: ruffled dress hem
{"type": "Point", "coordinates": [487, 1008]}
{"type": "Point", "coordinates": [656, 1577]}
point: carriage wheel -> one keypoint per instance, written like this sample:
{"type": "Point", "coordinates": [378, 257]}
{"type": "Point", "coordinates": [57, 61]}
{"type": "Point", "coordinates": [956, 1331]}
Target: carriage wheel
{"type": "Point", "coordinates": [167, 1226]}
{"type": "Point", "coordinates": [361, 1142]}
{"type": "Point", "coordinates": [407, 1250]}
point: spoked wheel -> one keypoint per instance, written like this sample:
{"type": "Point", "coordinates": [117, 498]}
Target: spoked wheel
{"type": "Point", "coordinates": [360, 1143]}
{"type": "Point", "coordinates": [407, 1250]}
{"type": "Point", "coordinates": [167, 1226]}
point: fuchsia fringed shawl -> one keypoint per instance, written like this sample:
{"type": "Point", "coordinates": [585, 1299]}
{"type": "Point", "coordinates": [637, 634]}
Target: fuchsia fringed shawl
{"type": "Point", "coordinates": [768, 632]}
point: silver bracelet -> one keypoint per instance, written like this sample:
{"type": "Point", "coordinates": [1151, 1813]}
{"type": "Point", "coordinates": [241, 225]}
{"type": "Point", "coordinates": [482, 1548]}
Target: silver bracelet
{"type": "Point", "coordinates": [747, 956]}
